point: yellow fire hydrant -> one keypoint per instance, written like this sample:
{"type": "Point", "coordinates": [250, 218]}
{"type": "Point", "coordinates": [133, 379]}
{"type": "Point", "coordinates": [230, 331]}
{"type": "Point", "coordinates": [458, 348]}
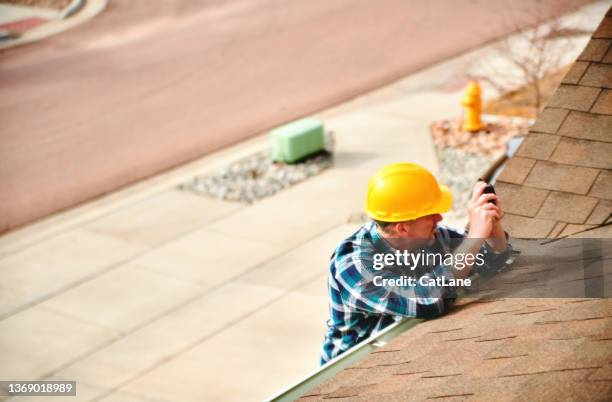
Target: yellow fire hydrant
{"type": "Point", "coordinates": [473, 105]}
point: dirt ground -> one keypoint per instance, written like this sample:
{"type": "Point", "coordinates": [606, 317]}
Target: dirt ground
{"type": "Point", "coordinates": [520, 102]}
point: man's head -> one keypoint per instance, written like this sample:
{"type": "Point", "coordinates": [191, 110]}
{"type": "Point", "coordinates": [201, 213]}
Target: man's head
{"type": "Point", "coordinates": [412, 234]}
{"type": "Point", "coordinates": [422, 228]}
{"type": "Point", "coordinates": [406, 201]}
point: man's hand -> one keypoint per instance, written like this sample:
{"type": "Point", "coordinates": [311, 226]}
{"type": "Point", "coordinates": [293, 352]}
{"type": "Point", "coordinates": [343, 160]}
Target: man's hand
{"type": "Point", "coordinates": [498, 235]}
{"type": "Point", "coordinates": [485, 218]}
{"type": "Point", "coordinates": [483, 215]}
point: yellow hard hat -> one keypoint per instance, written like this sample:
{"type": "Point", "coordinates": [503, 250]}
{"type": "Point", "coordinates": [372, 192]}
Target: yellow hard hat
{"type": "Point", "coordinates": [405, 191]}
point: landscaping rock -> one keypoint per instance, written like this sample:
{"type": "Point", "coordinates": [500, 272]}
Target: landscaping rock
{"type": "Point", "coordinates": [257, 176]}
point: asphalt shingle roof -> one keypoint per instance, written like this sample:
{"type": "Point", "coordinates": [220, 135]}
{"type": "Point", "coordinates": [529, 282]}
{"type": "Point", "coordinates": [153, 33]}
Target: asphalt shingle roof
{"type": "Point", "coordinates": [560, 181]}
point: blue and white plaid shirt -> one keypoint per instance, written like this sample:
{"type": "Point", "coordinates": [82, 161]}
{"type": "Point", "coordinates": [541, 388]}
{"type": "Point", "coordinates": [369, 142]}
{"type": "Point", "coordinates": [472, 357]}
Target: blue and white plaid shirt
{"type": "Point", "coordinates": [359, 310]}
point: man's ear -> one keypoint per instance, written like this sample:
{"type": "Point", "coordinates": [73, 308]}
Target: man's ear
{"type": "Point", "coordinates": [400, 228]}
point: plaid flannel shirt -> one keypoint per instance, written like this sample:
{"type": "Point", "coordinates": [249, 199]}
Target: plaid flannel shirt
{"type": "Point", "coordinates": [359, 310]}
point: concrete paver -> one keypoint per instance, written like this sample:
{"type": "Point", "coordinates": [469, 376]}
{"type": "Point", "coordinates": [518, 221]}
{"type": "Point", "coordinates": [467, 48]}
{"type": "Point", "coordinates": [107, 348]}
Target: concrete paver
{"type": "Point", "coordinates": [297, 222]}
{"type": "Point", "coordinates": [123, 298]}
{"type": "Point", "coordinates": [140, 351]}
{"type": "Point", "coordinates": [61, 261]}
{"type": "Point", "coordinates": [317, 287]}
{"type": "Point", "coordinates": [38, 341]}
{"type": "Point", "coordinates": [386, 138]}
{"type": "Point", "coordinates": [162, 217]}
{"type": "Point", "coordinates": [206, 257]}
{"type": "Point", "coordinates": [266, 340]}
{"type": "Point", "coordinates": [127, 397]}
{"type": "Point", "coordinates": [11, 300]}
{"type": "Point", "coordinates": [309, 260]}
{"type": "Point", "coordinates": [422, 107]}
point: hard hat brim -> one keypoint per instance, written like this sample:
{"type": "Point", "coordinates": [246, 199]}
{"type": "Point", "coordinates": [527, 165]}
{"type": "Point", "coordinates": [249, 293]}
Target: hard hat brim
{"type": "Point", "coordinates": [443, 205]}
{"type": "Point", "coordinates": [446, 201]}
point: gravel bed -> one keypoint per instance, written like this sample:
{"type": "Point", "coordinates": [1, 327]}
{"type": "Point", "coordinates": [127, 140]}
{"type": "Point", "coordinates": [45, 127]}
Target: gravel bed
{"type": "Point", "coordinates": [489, 142]}
{"type": "Point", "coordinates": [459, 170]}
{"type": "Point", "coordinates": [464, 157]}
{"type": "Point", "coordinates": [257, 176]}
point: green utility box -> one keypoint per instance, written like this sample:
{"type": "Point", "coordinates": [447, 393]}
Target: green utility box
{"type": "Point", "coordinates": [296, 140]}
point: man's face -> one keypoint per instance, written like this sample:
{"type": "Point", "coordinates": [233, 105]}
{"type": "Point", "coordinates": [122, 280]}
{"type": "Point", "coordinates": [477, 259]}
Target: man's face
{"type": "Point", "coordinates": [422, 228]}
{"type": "Point", "coordinates": [413, 234]}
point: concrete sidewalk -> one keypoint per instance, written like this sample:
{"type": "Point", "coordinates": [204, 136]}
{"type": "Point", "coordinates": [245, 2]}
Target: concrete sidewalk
{"type": "Point", "coordinates": [154, 293]}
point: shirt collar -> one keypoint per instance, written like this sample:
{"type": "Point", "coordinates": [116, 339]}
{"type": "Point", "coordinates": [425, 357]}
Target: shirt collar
{"type": "Point", "coordinates": [379, 242]}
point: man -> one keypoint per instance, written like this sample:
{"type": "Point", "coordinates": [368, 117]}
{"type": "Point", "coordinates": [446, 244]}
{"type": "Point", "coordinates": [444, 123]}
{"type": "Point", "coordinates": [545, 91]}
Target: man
{"type": "Point", "coordinates": [405, 201]}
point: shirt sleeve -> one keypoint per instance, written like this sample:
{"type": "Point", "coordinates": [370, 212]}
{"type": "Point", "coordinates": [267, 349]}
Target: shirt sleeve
{"type": "Point", "coordinates": [493, 261]}
{"type": "Point", "coordinates": [359, 291]}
